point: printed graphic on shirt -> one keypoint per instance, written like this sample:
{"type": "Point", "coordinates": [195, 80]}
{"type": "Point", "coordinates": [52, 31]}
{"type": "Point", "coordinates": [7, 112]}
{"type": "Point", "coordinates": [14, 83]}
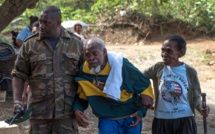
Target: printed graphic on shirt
{"type": "Point", "coordinates": [99, 84]}
{"type": "Point", "coordinates": [171, 92]}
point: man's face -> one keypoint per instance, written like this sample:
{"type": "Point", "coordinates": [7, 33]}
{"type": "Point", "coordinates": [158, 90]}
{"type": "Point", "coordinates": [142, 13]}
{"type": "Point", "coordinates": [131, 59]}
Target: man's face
{"type": "Point", "coordinates": [47, 25]}
{"type": "Point", "coordinates": [170, 53]}
{"type": "Point", "coordinates": [95, 56]}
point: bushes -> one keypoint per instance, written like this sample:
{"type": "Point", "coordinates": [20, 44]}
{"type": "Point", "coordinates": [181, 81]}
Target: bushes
{"type": "Point", "coordinates": [198, 13]}
{"type": "Point", "coordinates": [2, 39]}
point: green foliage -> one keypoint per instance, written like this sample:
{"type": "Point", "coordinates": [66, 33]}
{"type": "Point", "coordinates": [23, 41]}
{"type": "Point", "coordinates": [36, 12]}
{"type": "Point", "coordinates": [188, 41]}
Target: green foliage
{"type": "Point", "coordinates": [83, 15]}
{"type": "Point", "coordinates": [66, 13]}
{"type": "Point", "coordinates": [16, 28]}
{"type": "Point", "coordinates": [198, 13]}
{"type": "Point", "coordinates": [96, 29]}
{"type": "Point", "coordinates": [105, 7]}
{"type": "Point", "coordinates": [203, 15]}
{"type": "Point", "coordinates": [2, 39]}
{"type": "Point", "coordinates": [1, 2]}
{"type": "Point", "coordinates": [71, 10]}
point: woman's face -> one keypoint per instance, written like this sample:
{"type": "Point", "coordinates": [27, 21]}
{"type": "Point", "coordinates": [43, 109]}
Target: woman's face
{"type": "Point", "coordinates": [171, 54]}
{"type": "Point", "coordinates": [35, 30]}
{"type": "Point", "coordinates": [78, 29]}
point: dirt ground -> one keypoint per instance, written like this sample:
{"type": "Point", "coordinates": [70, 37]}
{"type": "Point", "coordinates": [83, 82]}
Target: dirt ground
{"type": "Point", "coordinates": [143, 55]}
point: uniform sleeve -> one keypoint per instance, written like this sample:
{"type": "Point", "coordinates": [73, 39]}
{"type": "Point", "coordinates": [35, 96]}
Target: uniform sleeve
{"type": "Point", "coordinates": [134, 80]}
{"type": "Point", "coordinates": [82, 58]}
{"type": "Point", "coordinates": [21, 67]}
{"type": "Point", "coordinates": [142, 113]}
{"type": "Point", "coordinates": [141, 110]}
{"type": "Point", "coordinates": [80, 102]}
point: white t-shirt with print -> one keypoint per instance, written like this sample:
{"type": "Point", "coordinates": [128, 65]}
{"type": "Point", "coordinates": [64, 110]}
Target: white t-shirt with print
{"type": "Point", "coordinates": [172, 100]}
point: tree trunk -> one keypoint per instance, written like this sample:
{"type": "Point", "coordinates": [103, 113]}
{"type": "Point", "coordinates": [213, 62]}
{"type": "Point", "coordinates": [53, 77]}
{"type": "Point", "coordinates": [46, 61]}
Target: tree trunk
{"type": "Point", "coordinates": [10, 9]}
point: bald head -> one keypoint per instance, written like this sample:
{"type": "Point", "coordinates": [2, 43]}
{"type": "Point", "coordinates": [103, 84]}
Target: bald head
{"type": "Point", "coordinates": [53, 11]}
{"type": "Point", "coordinates": [95, 53]}
{"type": "Point", "coordinates": [94, 42]}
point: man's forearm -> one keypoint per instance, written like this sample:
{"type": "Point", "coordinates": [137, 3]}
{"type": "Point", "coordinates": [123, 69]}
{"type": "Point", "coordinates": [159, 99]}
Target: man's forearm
{"type": "Point", "coordinates": [147, 101]}
{"type": "Point", "coordinates": [18, 86]}
{"type": "Point", "coordinates": [19, 43]}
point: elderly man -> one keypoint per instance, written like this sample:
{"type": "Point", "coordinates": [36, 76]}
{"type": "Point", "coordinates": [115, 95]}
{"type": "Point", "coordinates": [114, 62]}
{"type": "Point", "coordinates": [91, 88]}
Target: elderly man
{"type": "Point", "coordinates": [113, 87]}
{"type": "Point", "coordinates": [49, 60]}
{"type": "Point", "coordinates": [177, 90]}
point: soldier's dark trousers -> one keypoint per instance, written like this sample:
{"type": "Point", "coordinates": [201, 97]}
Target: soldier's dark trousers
{"type": "Point", "coordinates": [53, 126]}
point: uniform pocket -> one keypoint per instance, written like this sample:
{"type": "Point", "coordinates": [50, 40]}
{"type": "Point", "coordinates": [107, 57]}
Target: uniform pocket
{"type": "Point", "coordinates": [71, 92]}
{"type": "Point", "coordinates": [71, 61]}
{"type": "Point", "coordinates": [38, 65]}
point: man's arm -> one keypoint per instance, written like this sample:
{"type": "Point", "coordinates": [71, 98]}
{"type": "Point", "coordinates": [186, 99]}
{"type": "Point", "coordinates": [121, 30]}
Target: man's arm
{"type": "Point", "coordinates": [20, 74]}
{"type": "Point", "coordinates": [147, 101]}
{"type": "Point", "coordinates": [150, 73]}
{"type": "Point", "coordinates": [134, 80]}
{"type": "Point", "coordinates": [19, 43]}
{"type": "Point", "coordinates": [18, 86]}
{"type": "Point", "coordinates": [80, 104]}
{"type": "Point", "coordinates": [135, 124]}
{"type": "Point", "coordinates": [81, 118]}
{"type": "Point", "coordinates": [137, 82]}
{"type": "Point", "coordinates": [25, 92]}
{"type": "Point", "coordinates": [153, 71]}
{"type": "Point", "coordinates": [147, 98]}
{"type": "Point", "coordinates": [82, 57]}
{"type": "Point", "coordinates": [21, 37]}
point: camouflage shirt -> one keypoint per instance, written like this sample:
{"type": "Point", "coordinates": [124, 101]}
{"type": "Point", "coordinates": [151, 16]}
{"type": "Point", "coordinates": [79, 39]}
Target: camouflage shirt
{"type": "Point", "coordinates": [50, 74]}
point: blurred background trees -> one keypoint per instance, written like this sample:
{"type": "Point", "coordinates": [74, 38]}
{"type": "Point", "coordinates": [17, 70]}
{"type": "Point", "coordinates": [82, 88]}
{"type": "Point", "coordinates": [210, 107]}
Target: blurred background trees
{"type": "Point", "coordinates": [198, 13]}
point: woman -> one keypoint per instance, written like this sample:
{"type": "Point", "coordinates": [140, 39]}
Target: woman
{"type": "Point", "coordinates": [35, 28]}
{"type": "Point", "coordinates": [78, 29]}
{"type": "Point", "coordinates": [26, 32]}
{"type": "Point", "coordinates": [177, 90]}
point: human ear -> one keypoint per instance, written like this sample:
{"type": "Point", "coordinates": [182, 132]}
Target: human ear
{"type": "Point", "coordinates": [181, 53]}
{"type": "Point", "coordinates": [59, 22]}
{"type": "Point", "coordinates": [105, 51]}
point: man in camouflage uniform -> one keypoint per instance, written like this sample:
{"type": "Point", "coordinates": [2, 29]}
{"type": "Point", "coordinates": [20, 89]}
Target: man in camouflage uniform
{"type": "Point", "coordinates": [49, 61]}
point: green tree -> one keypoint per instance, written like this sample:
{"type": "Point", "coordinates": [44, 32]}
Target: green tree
{"type": "Point", "coordinates": [10, 9]}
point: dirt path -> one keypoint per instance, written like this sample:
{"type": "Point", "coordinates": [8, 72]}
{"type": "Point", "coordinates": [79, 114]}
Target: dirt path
{"type": "Point", "coordinates": [142, 57]}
